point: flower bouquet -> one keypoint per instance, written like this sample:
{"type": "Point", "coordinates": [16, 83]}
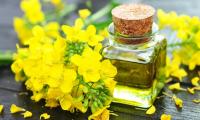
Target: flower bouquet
{"type": "Point", "coordinates": [63, 65]}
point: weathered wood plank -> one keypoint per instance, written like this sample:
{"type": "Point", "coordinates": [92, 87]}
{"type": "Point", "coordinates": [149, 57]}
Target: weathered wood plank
{"type": "Point", "coordinates": [7, 79]}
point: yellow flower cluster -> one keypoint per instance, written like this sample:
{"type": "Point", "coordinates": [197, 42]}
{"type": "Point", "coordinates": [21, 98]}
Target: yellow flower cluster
{"type": "Point", "coordinates": [173, 68]}
{"type": "Point", "coordinates": [33, 15]}
{"type": "Point", "coordinates": [188, 31]}
{"type": "Point", "coordinates": [62, 65]}
{"type": "Point", "coordinates": [187, 51]}
{"type": "Point", "coordinates": [84, 13]}
{"type": "Point", "coordinates": [66, 70]}
{"type": "Point", "coordinates": [25, 34]}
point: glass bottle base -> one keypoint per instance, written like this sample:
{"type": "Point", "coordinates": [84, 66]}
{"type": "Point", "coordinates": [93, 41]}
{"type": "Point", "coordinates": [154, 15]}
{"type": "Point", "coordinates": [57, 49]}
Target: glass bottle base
{"type": "Point", "coordinates": [137, 97]}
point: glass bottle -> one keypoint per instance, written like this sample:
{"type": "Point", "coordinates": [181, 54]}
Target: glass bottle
{"type": "Point", "coordinates": [140, 61]}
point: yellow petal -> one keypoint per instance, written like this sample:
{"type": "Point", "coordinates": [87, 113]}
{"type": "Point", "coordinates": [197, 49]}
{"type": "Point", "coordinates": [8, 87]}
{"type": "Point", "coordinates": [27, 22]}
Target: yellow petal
{"type": "Point", "coordinates": [84, 13]}
{"type": "Point", "coordinates": [179, 73]}
{"type": "Point", "coordinates": [79, 106]}
{"type": "Point", "coordinates": [104, 32]}
{"type": "Point", "coordinates": [178, 101]}
{"type": "Point", "coordinates": [101, 114]}
{"type": "Point", "coordinates": [151, 110]}
{"type": "Point", "coordinates": [78, 23]}
{"type": "Point", "coordinates": [76, 59]}
{"type": "Point", "coordinates": [197, 88]}
{"type": "Point", "coordinates": [66, 102]}
{"type": "Point", "coordinates": [51, 103]}
{"type": "Point", "coordinates": [91, 30]}
{"type": "Point", "coordinates": [15, 109]}
{"type": "Point", "coordinates": [68, 82]}
{"type": "Point", "coordinates": [37, 96]}
{"type": "Point", "coordinates": [165, 117]}
{"type": "Point", "coordinates": [1, 108]}
{"type": "Point", "coordinates": [175, 86]}
{"type": "Point", "coordinates": [196, 101]}
{"type": "Point", "coordinates": [44, 116]}
{"type": "Point", "coordinates": [107, 69]}
{"type": "Point", "coordinates": [110, 84]}
{"type": "Point", "coordinates": [56, 2]}
{"type": "Point", "coordinates": [98, 47]}
{"type": "Point", "coordinates": [195, 81]}
{"type": "Point", "coordinates": [38, 31]}
{"type": "Point", "coordinates": [190, 90]}
{"type": "Point", "coordinates": [27, 114]}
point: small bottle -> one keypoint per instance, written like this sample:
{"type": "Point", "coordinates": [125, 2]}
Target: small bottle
{"type": "Point", "coordinates": [139, 52]}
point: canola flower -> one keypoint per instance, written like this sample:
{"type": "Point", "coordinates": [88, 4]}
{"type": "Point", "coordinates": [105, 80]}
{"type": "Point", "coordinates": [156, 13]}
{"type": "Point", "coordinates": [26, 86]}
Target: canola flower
{"type": "Point", "coordinates": [188, 32]}
{"type": "Point", "coordinates": [67, 70]}
{"type": "Point", "coordinates": [186, 52]}
{"type": "Point", "coordinates": [34, 15]}
{"type": "Point", "coordinates": [84, 13]}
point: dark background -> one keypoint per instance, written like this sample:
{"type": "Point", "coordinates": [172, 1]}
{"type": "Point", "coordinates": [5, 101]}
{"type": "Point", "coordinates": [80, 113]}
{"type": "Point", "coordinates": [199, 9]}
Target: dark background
{"type": "Point", "coordinates": [10, 8]}
{"type": "Point", "coordinates": [9, 89]}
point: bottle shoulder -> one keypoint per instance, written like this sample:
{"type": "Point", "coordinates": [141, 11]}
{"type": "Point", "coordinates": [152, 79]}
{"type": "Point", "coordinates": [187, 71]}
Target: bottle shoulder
{"type": "Point", "coordinates": [143, 53]}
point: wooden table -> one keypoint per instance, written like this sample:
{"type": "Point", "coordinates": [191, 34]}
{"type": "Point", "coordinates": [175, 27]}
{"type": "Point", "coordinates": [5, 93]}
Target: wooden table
{"type": "Point", "coordinates": [10, 91]}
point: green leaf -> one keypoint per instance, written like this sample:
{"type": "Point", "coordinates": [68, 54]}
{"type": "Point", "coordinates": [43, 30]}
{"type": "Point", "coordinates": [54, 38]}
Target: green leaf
{"type": "Point", "coordinates": [102, 25]}
{"type": "Point", "coordinates": [6, 58]}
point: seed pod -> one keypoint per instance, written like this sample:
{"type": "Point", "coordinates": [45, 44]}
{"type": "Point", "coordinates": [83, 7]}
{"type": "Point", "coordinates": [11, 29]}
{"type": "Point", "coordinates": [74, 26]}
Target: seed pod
{"type": "Point", "coordinates": [100, 104]}
{"type": "Point", "coordinates": [85, 89]}
{"type": "Point", "coordinates": [103, 99]}
{"type": "Point", "coordinates": [89, 96]}
{"type": "Point", "coordinates": [95, 104]}
{"type": "Point", "coordinates": [93, 108]}
{"type": "Point", "coordinates": [80, 98]}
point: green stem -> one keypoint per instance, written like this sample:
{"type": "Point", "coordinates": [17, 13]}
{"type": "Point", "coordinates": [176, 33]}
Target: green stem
{"type": "Point", "coordinates": [180, 44]}
{"type": "Point", "coordinates": [167, 94]}
{"type": "Point", "coordinates": [6, 58]}
{"type": "Point", "coordinates": [102, 12]}
{"type": "Point", "coordinates": [69, 9]}
{"type": "Point", "coordinates": [50, 15]}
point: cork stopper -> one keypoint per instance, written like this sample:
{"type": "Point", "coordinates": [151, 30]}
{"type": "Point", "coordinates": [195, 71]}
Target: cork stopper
{"type": "Point", "coordinates": [133, 19]}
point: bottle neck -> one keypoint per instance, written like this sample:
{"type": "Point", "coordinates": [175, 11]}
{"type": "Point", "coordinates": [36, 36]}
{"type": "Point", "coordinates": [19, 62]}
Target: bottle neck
{"type": "Point", "coordinates": [132, 40]}
{"type": "Point", "coordinates": [127, 40]}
